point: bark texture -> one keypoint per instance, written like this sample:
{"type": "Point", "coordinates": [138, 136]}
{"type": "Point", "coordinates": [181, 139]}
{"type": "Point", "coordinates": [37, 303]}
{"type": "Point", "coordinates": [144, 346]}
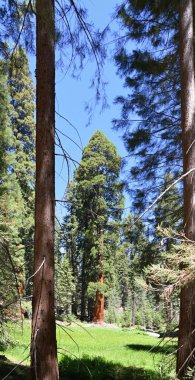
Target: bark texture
{"type": "Point", "coordinates": [186, 351]}
{"type": "Point", "coordinates": [44, 364]}
{"type": "Point", "coordinates": [99, 304]}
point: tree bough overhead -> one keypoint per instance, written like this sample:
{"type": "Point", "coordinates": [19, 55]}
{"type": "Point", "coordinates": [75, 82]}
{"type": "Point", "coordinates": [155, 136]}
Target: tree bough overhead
{"type": "Point", "coordinates": [44, 364]}
{"type": "Point", "coordinates": [150, 112]}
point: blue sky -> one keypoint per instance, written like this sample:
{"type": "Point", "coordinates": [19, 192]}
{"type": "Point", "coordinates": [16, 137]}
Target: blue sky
{"type": "Point", "coordinates": [72, 96]}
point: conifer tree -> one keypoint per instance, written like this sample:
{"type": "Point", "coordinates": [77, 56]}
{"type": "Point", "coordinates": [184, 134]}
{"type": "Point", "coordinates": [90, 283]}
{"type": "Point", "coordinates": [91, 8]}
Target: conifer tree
{"type": "Point", "coordinates": [168, 215]}
{"type": "Point", "coordinates": [44, 362]}
{"type": "Point", "coordinates": [22, 122]}
{"type": "Point", "coordinates": [121, 264]}
{"type": "Point", "coordinates": [150, 115]}
{"type": "Point", "coordinates": [5, 131]}
{"type": "Point", "coordinates": [64, 280]}
{"type": "Point", "coordinates": [70, 242]}
{"type": "Point", "coordinates": [23, 145]}
{"type": "Point", "coordinates": [168, 210]}
{"type": "Point", "coordinates": [11, 207]}
{"type": "Point", "coordinates": [98, 200]}
{"type": "Point", "coordinates": [167, 76]}
{"type": "Point", "coordinates": [140, 252]}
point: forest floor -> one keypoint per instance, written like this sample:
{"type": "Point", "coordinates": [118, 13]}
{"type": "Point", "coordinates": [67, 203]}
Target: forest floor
{"type": "Point", "coordinates": [88, 352]}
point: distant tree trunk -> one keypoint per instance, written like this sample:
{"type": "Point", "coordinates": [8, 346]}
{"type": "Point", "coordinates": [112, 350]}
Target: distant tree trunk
{"type": "Point", "coordinates": [83, 288]}
{"type": "Point", "coordinates": [99, 304]}
{"type": "Point", "coordinates": [133, 308]}
{"type": "Point", "coordinates": [74, 305]}
{"type": "Point", "coordinates": [44, 364]}
{"type": "Point", "coordinates": [186, 351]}
{"type": "Point", "coordinates": [90, 307]}
{"type": "Point", "coordinates": [73, 260]}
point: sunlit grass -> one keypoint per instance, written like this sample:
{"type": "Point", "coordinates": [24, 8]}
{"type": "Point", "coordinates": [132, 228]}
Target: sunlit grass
{"type": "Point", "coordinates": [115, 348]}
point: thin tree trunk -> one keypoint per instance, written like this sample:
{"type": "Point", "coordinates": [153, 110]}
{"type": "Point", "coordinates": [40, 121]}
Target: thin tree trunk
{"type": "Point", "coordinates": [185, 355]}
{"type": "Point", "coordinates": [83, 288]}
{"type": "Point", "coordinates": [134, 308]}
{"type": "Point", "coordinates": [44, 364]}
{"type": "Point", "coordinates": [99, 304]}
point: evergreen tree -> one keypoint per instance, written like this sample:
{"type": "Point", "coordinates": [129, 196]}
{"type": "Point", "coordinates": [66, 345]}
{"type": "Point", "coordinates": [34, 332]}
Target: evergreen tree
{"type": "Point", "coordinates": [168, 210]}
{"type": "Point", "coordinates": [16, 26]}
{"type": "Point", "coordinates": [150, 113]}
{"type": "Point", "coordinates": [167, 222]}
{"type": "Point", "coordinates": [157, 88]}
{"type": "Point", "coordinates": [64, 280]}
{"type": "Point", "coordinates": [5, 136]}
{"type": "Point", "coordinates": [22, 122]}
{"type": "Point", "coordinates": [64, 286]}
{"type": "Point", "coordinates": [5, 130]}
{"type": "Point", "coordinates": [98, 201]}
{"type": "Point", "coordinates": [11, 207]}
{"type": "Point", "coordinates": [44, 363]}
{"type": "Point", "coordinates": [140, 252]}
{"type": "Point", "coordinates": [70, 243]}
{"type": "Point", "coordinates": [17, 170]}
{"type": "Point", "coordinates": [122, 267]}
{"type": "Point", "coordinates": [23, 145]}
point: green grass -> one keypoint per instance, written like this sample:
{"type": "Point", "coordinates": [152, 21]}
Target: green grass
{"type": "Point", "coordinates": [98, 353]}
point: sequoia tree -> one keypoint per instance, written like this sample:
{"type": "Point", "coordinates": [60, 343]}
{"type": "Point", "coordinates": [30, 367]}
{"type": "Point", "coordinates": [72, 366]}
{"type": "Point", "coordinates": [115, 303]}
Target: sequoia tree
{"type": "Point", "coordinates": [97, 201]}
{"type": "Point", "coordinates": [43, 344]}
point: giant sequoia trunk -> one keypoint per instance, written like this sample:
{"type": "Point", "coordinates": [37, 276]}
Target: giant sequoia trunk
{"type": "Point", "coordinates": [99, 303]}
{"type": "Point", "coordinates": [186, 351]}
{"type": "Point", "coordinates": [44, 364]}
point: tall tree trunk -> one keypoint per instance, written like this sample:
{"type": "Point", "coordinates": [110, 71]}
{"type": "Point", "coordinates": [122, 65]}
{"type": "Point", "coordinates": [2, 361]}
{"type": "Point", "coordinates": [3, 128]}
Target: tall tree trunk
{"type": "Point", "coordinates": [186, 349]}
{"type": "Point", "coordinates": [99, 304]}
{"type": "Point", "coordinates": [44, 364]}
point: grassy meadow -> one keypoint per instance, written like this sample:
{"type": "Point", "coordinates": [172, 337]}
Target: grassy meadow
{"type": "Point", "coordinates": [96, 353]}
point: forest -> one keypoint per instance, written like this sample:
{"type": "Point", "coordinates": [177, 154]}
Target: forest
{"type": "Point", "coordinates": [105, 288]}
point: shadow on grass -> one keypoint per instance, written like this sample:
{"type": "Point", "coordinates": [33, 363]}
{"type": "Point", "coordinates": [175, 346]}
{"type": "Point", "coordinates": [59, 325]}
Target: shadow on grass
{"type": "Point", "coordinates": [165, 349]}
{"type": "Point", "coordinates": [99, 369]}
{"type": "Point", "coordinates": [20, 373]}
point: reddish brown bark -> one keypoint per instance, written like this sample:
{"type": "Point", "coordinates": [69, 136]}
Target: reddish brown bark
{"type": "Point", "coordinates": [185, 355]}
{"type": "Point", "coordinates": [20, 292]}
{"type": "Point", "coordinates": [44, 364]}
{"type": "Point", "coordinates": [99, 304]}
{"type": "Point", "coordinates": [20, 285]}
